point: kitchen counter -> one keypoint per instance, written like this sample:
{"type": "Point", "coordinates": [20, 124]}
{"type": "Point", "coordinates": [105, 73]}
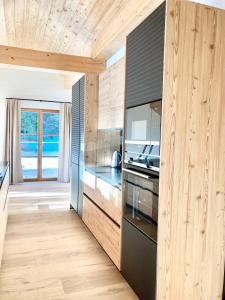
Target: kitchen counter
{"type": "Point", "coordinates": [3, 169]}
{"type": "Point", "coordinates": [108, 174]}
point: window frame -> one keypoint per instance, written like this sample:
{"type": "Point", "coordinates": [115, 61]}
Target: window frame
{"type": "Point", "coordinates": [40, 139]}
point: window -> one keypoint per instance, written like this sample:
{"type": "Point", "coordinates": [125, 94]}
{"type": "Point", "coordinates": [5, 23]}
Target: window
{"type": "Point", "coordinates": [40, 144]}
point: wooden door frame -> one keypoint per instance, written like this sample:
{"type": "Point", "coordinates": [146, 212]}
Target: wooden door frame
{"type": "Point", "coordinates": [39, 111]}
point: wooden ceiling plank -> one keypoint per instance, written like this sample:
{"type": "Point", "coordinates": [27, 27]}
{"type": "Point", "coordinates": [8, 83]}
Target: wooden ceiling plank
{"type": "Point", "coordinates": [20, 28]}
{"type": "Point", "coordinates": [49, 60]}
{"type": "Point", "coordinates": [99, 17]}
{"type": "Point", "coordinates": [43, 16]}
{"type": "Point", "coordinates": [3, 33]}
{"type": "Point", "coordinates": [113, 35]}
{"type": "Point", "coordinates": [32, 16]}
{"type": "Point", "coordinates": [82, 37]}
{"type": "Point", "coordinates": [65, 33]}
{"type": "Point", "coordinates": [9, 7]}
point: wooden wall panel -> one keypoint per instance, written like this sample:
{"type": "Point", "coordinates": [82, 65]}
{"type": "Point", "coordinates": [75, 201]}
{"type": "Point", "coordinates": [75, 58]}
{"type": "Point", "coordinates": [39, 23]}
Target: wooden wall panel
{"type": "Point", "coordinates": [191, 238]}
{"type": "Point", "coordinates": [91, 117]}
{"type": "Point", "coordinates": [111, 96]}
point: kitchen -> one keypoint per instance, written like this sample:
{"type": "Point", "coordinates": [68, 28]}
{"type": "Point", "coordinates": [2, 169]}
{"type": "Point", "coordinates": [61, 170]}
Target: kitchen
{"type": "Point", "coordinates": [147, 154]}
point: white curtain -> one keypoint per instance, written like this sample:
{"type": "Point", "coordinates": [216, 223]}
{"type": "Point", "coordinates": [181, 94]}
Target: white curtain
{"type": "Point", "coordinates": [64, 143]}
{"type": "Point", "coordinates": [12, 141]}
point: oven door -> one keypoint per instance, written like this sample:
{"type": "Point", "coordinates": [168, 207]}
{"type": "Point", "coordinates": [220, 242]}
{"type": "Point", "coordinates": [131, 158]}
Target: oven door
{"type": "Point", "coordinates": [142, 132]}
{"type": "Point", "coordinates": [141, 201]}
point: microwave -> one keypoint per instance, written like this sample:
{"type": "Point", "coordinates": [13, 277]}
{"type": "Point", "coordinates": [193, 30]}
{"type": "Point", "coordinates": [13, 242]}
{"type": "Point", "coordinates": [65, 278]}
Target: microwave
{"type": "Point", "coordinates": [142, 136]}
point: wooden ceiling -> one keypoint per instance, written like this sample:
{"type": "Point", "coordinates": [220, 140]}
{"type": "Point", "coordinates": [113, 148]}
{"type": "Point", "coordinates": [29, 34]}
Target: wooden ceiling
{"type": "Point", "coordinates": [93, 28]}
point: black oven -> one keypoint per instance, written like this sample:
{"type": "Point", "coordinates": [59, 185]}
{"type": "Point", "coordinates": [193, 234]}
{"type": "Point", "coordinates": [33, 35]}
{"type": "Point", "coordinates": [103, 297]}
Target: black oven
{"type": "Point", "coordinates": [141, 201]}
{"type": "Point", "coordinates": [142, 136]}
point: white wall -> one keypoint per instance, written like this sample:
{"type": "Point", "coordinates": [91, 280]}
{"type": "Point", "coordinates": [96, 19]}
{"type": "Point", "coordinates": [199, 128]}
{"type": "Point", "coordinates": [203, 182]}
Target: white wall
{"type": "Point", "coordinates": [213, 3]}
{"type": "Point", "coordinates": [2, 125]}
{"type": "Point", "coordinates": [18, 83]}
{"type": "Point", "coordinates": [30, 84]}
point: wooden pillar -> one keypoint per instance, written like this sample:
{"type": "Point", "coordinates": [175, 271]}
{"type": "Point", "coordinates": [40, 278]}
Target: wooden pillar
{"type": "Point", "coordinates": [191, 238]}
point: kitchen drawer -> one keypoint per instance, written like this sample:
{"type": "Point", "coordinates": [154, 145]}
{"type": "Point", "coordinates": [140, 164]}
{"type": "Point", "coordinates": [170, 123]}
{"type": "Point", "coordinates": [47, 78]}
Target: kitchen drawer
{"type": "Point", "coordinates": [3, 224]}
{"type": "Point", "coordinates": [3, 211]}
{"type": "Point", "coordinates": [89, 184]}
{"type": "Point", "coordinates": [106, 232]}
{"type": "Point", "coordinates": [4, 191]}
{"type": "Point", "coordinates": [107, 197]}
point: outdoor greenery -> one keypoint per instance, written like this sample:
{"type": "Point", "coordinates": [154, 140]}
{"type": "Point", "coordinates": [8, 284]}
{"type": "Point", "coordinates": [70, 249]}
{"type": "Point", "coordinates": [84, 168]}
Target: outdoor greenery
{"type": "Point", "coordinates": [29, 134]}
{"type": "Point", "coordinates": [29, 123]}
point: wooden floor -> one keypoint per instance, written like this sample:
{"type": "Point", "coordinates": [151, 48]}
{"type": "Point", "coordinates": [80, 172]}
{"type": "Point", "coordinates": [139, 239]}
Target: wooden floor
{"type": "Point", "coordinates": [50, 255]}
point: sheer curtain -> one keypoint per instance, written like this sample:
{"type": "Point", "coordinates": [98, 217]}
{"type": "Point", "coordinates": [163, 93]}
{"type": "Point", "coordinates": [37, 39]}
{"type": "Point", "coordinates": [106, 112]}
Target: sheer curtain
{"type": "Point", "coordinates": [12, 141]}
{"type": "Point", "coordinates": [64, 142]}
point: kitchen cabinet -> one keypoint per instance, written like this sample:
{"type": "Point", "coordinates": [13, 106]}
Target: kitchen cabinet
{"type": "Point", "coordinates": [3, 211]}
{"type": "Point", "coordinates": [190, 259]}
{"type": "Point", "coordinates": [102, 213]}
{"type": "Point", "coordinates": [145, 51]}
{"type": "Point", "coordinates": [103, 228]}
{"type": "Point", "coordinates": [77, 145]}
{"type": "Point", "coordinates": [138, 262]}
{"type": "Point", "coordinates": [106, 196]}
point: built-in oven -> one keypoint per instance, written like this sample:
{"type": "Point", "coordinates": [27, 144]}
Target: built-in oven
{"type": "Point", "coordinates": [142, 136]}
{"type": "Point", "coordinates": [141, 193]}
{"type": "Point", "coordinates": [139, 231]}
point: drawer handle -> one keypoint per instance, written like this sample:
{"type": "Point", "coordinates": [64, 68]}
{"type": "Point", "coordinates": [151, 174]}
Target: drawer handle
{"type": "Point", "coordinates": [136, 173]}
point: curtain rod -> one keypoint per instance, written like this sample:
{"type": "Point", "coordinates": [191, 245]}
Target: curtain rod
{"type": "Point", "coordinates": [38, 100]}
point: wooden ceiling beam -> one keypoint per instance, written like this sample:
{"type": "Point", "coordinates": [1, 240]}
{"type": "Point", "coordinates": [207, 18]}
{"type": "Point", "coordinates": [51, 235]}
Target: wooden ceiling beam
{"type": "Point", "coordinates": [49, 60]}
{"type": "Point", "coordinates": [113, 36]}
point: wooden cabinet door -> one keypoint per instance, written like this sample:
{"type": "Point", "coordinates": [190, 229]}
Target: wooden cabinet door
{"type": "Point", "coordinates": [106, 232]}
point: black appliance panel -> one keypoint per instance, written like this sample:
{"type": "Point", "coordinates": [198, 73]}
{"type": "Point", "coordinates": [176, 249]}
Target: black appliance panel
{"type": "Point", "coordinates": [75, 135]}
{"type": "Point", "coordinates": [224, 286]}
{"type": "Point", "coordinates": [138, 262]}
{"type": "Point", "coordinates": [142, 136]}
{"type": "Point", "coordinates": [145, 44]}
{"type": "Point", "coordinates": [141, 202]}
{"type": "Point", "coordinates": [74, 186]}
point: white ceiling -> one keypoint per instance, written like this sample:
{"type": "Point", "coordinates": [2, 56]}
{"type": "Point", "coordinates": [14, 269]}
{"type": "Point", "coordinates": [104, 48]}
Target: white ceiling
{"type": "Point", "coordinates": [213, 3]}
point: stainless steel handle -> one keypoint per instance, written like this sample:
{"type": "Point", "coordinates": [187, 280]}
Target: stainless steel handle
{"type": "Point", "coordinates": [136, 173]}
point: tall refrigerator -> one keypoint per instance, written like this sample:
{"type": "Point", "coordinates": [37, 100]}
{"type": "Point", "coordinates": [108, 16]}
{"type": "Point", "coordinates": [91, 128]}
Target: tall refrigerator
{"type": "Point", "coordinates": [77, 146]}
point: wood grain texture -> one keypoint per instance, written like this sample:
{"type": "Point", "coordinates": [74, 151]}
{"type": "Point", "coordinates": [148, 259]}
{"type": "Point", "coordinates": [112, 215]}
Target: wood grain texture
{"type": "Point", "coordinates": [130, 15]}
{"type": "Point", "coordinates": [3, 212]}
{"type": "Point", "coordinates": [106, 232]}
{"type": "Point", "coordinates": [50, 254]}
{"type": "Point", "coordinates": [91, 117]}
{"type": "Point", "coordinates": [107, 197]}
{"type": "Point", "coordinates": [49, 60]}
{"type": "Point", "coordinates": [76, 27]}
{"type": "Point", "coordinates": [111, 96]}
{"type": "Point", "coordinates": [191, 235]}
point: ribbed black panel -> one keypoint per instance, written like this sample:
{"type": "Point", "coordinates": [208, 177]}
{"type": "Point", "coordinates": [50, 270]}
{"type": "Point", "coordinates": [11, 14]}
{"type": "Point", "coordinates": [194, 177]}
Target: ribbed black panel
{"type": "Point", "coordinates": [82, 83]}
{"type": "Point", "coordinates": [81, 156]}
{"type": "Point", "coordinates": [74, 186]}
{"type": "Point", "coordinates": [145, 50]}
{"type": "Point", "coordinates": [75, 138]}
{"type": "Point", "coordinates": [77, 149]}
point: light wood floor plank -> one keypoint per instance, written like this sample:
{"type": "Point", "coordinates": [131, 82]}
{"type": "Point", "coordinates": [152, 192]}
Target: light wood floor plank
{"type": "Point", "coordinates": [49, 254]}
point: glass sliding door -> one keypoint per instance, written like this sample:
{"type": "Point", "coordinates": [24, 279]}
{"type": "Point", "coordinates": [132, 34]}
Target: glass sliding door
{"type": "Point", "coordinates": [39, 144]}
